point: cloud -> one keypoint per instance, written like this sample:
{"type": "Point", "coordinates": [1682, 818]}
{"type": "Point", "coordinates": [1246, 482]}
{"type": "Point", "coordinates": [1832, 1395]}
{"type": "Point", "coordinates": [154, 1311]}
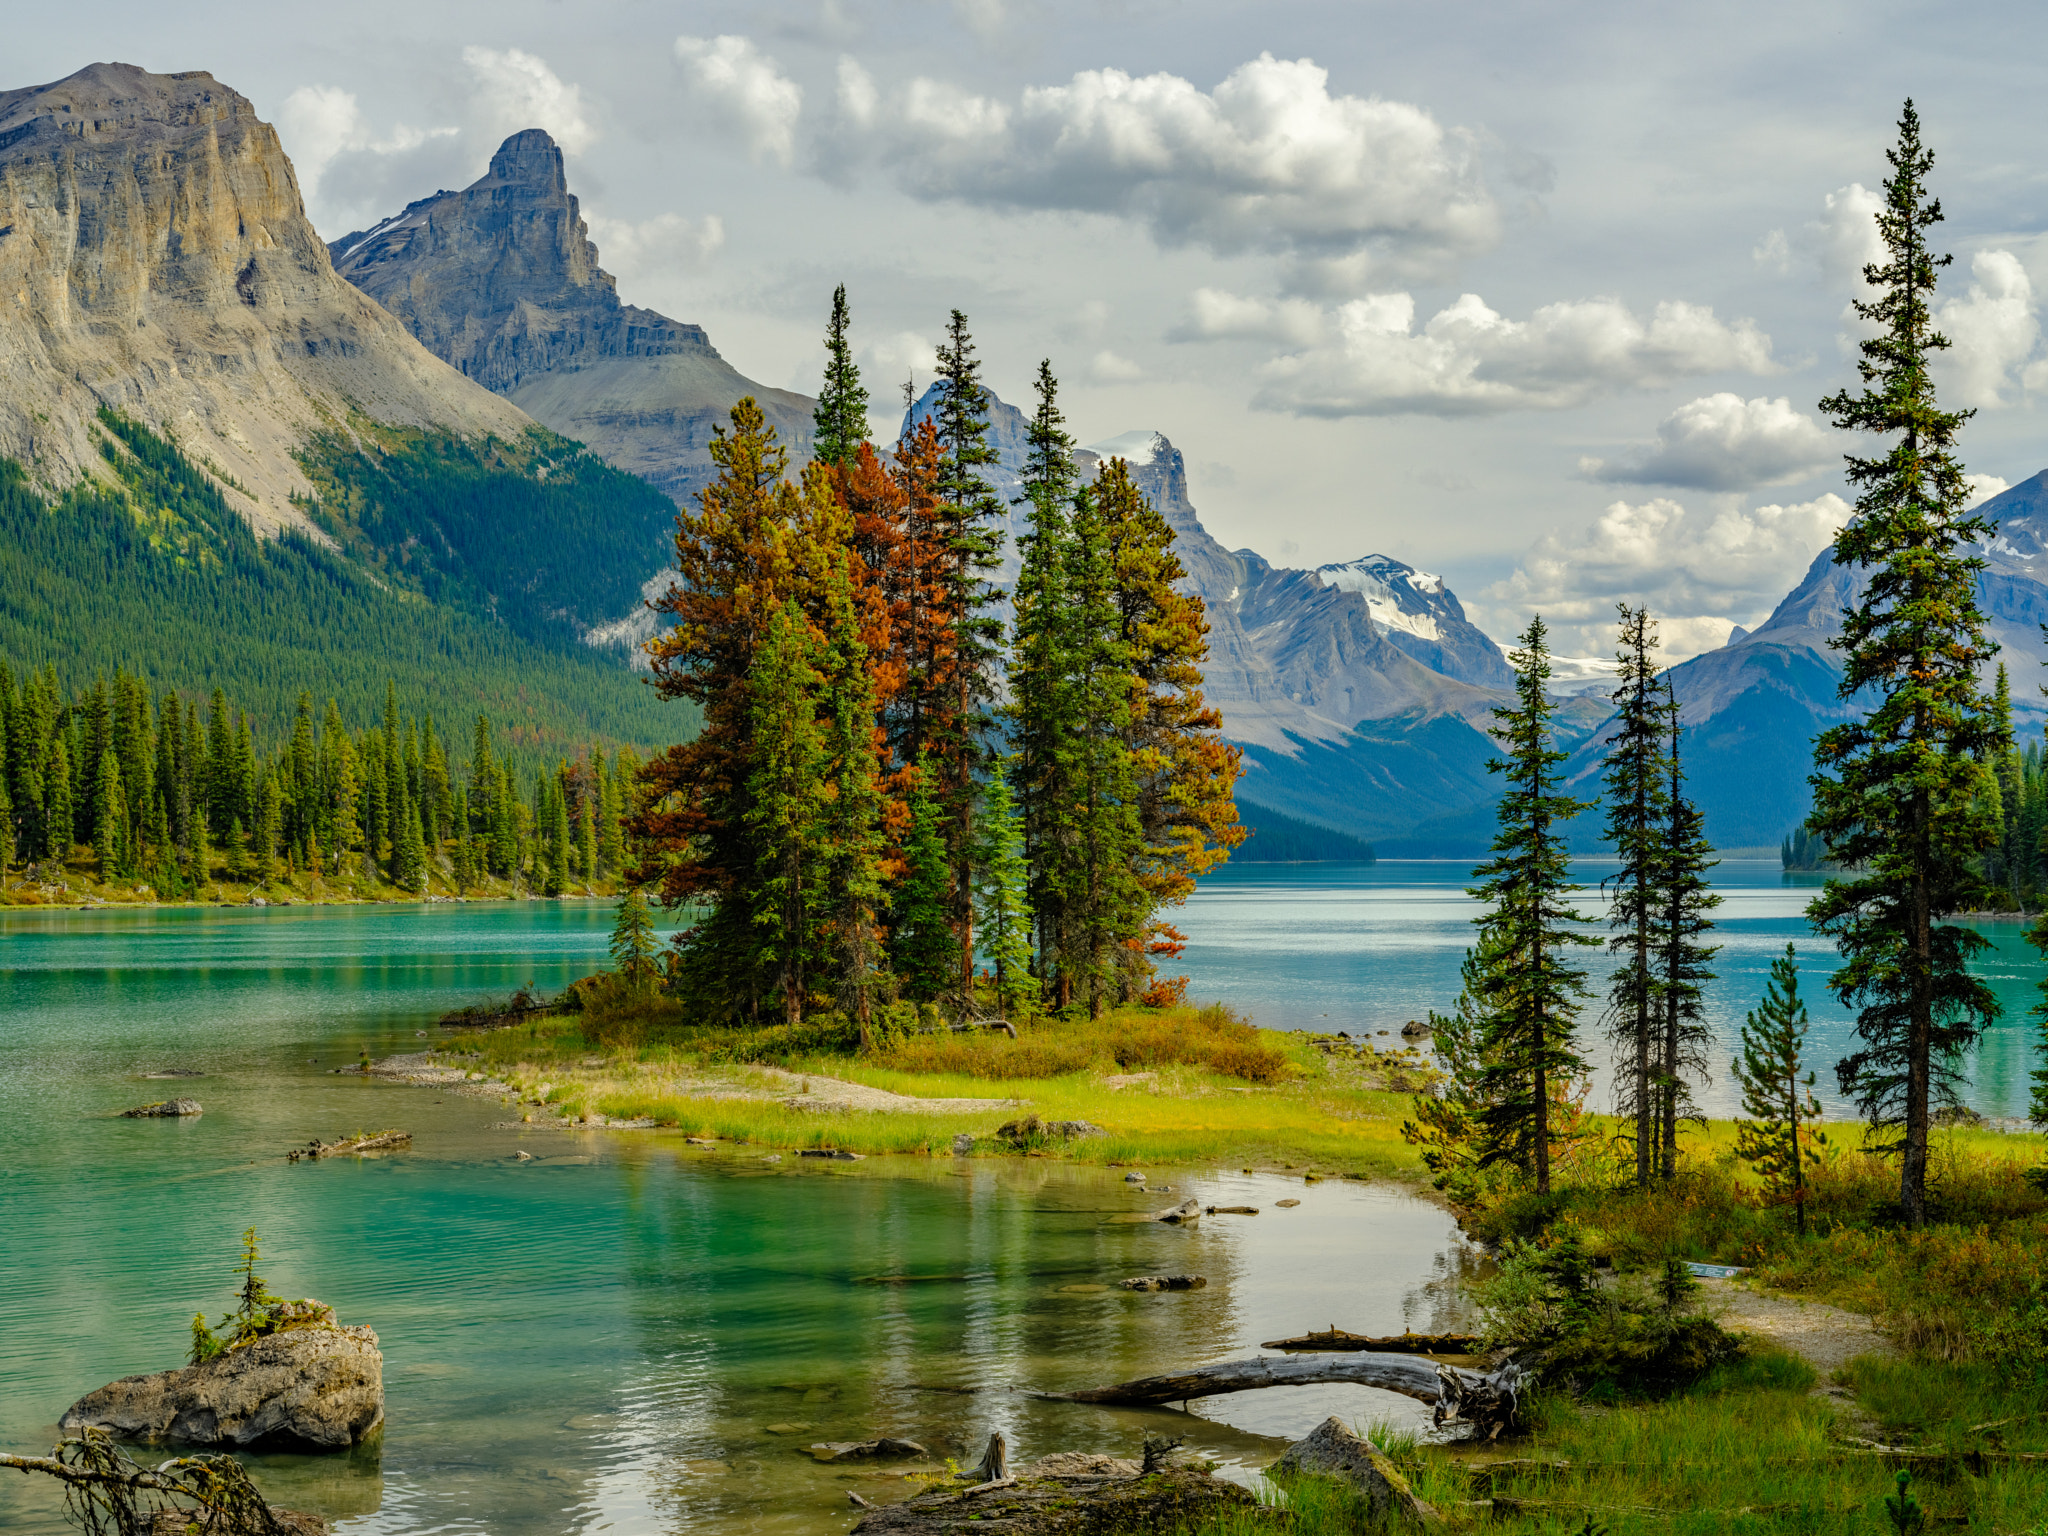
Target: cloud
{"type": "Point", "coordinates": [735, 77]}
{"type": "Point", "coordinates": [1699, 576]}
{"type": "Point", "coordinates": [658, 244]}
{"type": "Point", "coordinates": [1269, 161]}
{"type": "Point", "coordinates": [1214, 315]}
{"type": "Point", "coordinates": [1844, 239]}
{"type": "Point", "coordinates": [1773, 252]}
{"type": "Point", "coordinates": [1984, 487]}
{"type": "Point", "coordinates": [1468, 360]}
{"type": "Point", "coordinates": [1106, 367]}
{"type": "Point", "coordinates": [319, 124]}
{"type": "Point", "coordinates": [515, 90]}
{"type": "Point", "coordinates": [1725, 443]}
{"type": "Point", "coordinates": [1994, 327]}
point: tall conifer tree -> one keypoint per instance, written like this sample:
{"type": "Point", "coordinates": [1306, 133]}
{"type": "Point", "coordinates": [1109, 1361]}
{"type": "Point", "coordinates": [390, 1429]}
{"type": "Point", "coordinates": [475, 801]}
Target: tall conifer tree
{"type": "Point", "coordinates": [853, 834]}
{"type": "Point", "coordinates": [786, 788]}
{"type": "Point", "coordinates": [1530, 998]}
{"type": "Point", "coordinates": [1685, 901]}
{"type": "Point", "coordinates": [1002, 898]}
{"type": "Point", "coordinates": [1636, 814]}
{"type": "Point", "coordinates": [1897, 792]}
{"type": "Point", "coordinates": [1777, 1089]}
{"type": "Point", "coordinates": [840, 421]}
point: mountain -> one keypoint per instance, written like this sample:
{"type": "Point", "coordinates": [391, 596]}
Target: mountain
{"type": "Point", "coordinates": [155, 256]}
{"type": "Point", "coordinates": [222, 463]}
{"type": "Point", "coordinates": [501, 280]}
{"type": "Point", "coordinates": [1754, 706]}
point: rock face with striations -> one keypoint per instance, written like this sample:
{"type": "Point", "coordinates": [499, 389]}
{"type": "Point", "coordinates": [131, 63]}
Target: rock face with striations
{"type": "Point", "coordinates": [155, 257]}
{"type": "Point", "coordinates": [501, 280]}
{"type": "Point", "coordinates": [309, 1388]}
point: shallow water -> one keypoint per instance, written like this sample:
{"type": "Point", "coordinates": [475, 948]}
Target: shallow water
{"type": "Point", "coordinates": [604, 1338]}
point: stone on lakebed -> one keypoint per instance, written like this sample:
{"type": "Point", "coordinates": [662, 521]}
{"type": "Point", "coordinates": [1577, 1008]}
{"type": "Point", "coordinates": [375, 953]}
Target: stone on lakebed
{"type": "Point", "coordinates": [169, 1109]}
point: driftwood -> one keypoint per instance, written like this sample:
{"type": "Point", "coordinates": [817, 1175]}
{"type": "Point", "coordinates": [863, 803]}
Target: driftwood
{"type": "Point", "coordinates": [1230, 1210]}
{"type": "Point", "coordinates": [1487, 1402]}
{"type": "Point", "coordinates": [107, 1494]}
{"type": "Point", "coordinates": [995, 1461]}
{"type": "Point", "coordinates": [1335, 1339]}
{"type": "Point", "coordinates": [375, 1141]}
{"type": "Point", "coordinates": [1165, 1283]}
{"type": "Point", "coordinates": [1180, 1498]}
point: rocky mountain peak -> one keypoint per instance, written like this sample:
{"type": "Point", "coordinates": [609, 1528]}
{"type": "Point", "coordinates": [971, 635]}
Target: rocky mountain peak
{"type": "Point", "coordinates": [532, 161]}
{"type": "Point", "coordinates": [155, 256]}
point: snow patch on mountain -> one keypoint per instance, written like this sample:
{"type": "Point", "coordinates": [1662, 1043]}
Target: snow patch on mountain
{"type": "Point", "coordinates": [1137, 449]}
{"type": "Point", "coordinates": [1396, 594]}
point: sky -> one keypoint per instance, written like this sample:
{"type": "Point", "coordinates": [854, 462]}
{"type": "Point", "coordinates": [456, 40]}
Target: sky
{"type": "Point", "coordinates": [1541, 299]}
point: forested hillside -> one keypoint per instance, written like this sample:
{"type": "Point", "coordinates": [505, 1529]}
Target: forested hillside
{"type": "Point", "coordinates": [159, 576]}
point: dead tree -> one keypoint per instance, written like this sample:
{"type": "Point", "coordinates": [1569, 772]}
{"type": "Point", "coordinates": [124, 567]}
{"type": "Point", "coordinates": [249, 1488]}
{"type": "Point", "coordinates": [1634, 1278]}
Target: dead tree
{"type": "Point", "coordinates": [106, 1494]}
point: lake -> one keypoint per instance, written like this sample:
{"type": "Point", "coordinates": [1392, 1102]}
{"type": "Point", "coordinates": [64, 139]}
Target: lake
{"type": "Point", "coordinates": [624, 1335]}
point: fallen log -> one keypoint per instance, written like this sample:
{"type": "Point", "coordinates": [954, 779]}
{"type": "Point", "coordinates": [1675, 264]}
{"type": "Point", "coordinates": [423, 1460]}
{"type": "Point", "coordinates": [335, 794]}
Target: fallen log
{"type": "Point", "coordinates": [375, 1141]}
{"type": "Point", "coordinates": [1487, 1402]}
{"type": "Point", "coordinates": [1336, 1339]}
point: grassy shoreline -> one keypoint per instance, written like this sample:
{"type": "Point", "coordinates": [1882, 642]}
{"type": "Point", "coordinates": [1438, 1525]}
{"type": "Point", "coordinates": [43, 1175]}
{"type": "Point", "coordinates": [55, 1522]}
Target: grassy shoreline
{"type": "Point", "coordinates": [76, 888]}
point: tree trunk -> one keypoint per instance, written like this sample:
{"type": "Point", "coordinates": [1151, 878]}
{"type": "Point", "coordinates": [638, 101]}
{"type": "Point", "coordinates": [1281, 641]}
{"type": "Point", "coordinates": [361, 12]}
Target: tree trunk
{"type": "Point", "coordinates": [1913, 1165]}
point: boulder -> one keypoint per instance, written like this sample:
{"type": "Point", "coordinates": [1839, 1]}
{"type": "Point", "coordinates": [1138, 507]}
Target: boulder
{"type": "Point", "coordinates": [1188, 1210]}
{"type": "Point", "coordinates": [309, 1388]}
{"type": "Point", "coordinates": [1134, 1178]}
{"type": "Point", "coordinates": [169, 1109]}
{"type": "Point", "coordinates": [1166, 1283]}
{"type": "Point", "coordinates": [831, 1154]}
{"type": "Point", "coordinates": [861, 1450]}
{"type": "Point", "coordinates": [1332, 1450]}
{"type": "Point", "coordinates": [1079, 1464]}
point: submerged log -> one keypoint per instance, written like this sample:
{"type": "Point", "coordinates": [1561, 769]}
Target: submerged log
{"type": "Point", "coordinates": [1487, 1402]}
{"type": "Point", "coordinates": [1336, 1339]}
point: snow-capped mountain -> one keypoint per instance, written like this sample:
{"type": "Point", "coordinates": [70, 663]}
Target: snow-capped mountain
{"type": "Point", "coordinates": [1420, 615]}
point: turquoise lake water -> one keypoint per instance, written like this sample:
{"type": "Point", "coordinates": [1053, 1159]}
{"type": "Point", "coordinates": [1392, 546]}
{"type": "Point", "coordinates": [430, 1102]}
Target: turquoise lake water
{"type": "Point", "coordinates": [623, 1335]}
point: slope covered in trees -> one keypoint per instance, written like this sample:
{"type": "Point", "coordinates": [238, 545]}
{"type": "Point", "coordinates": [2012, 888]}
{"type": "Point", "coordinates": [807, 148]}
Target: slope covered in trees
{"type": "Point", "coordinates": [157, 574]}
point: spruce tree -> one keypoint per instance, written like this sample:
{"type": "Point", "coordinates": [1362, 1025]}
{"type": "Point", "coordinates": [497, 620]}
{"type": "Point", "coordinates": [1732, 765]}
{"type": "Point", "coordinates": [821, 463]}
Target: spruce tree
{"type": "Point", "coordinates": [464, 850]}
{"type": "Point", "coordinates": [926, 949]}
{"type": "Point", "coordinates": [853, 835]}
{"type": "Point", "coordinates": [110, 818]}
{"type": "Point", "coordinates": [269, 831]}
{"type": "Point", "coordinates": [1776, 1096]}
{"type": "Point", "coordinates": [1896, 792]}
{"type": "Point", "coordinates": [1449, 1125]}
{"type": "Point", "coordinates": [840, 421]}
{"type": "Point", "coordinates": [58, 815]}
{"type": "Point", "coordinates": [633, 940]}
{"type": "Point", "coordinates": [558, 833]}
{"type": "Point", "coordinates": [973, 537]}
{"type": "Point", "coordinates": [6, 821]}
{"type": "Point", "coordinates": [786, 789]}
{"type": "Point", "coordinates": [237, 864]}
{"type": "Point", "coordinates": [1685, 901]}
{"type": "Point", "coordinates": [1637, 811]}
{"type": "Point", "coordinates": [1002, 899]}
{"type": "Point", "coordinates": [1530, 998]}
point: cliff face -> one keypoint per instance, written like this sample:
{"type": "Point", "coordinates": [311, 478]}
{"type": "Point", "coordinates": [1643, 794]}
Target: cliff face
{"type": "Point", "coordinates": [502, 281]}
{"type": "Point", "coordinates": [155, 256]}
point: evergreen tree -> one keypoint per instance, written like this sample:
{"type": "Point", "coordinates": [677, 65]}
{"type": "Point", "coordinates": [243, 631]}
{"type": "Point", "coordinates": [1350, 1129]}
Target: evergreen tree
{"type": "Point", "coordinates": [7, 833]}
{"type": "Point", "coordinates": [558, 835]}
{"type": "Point", "coordinates": [1775, 1096]}
{"type": "Point", "coordinates": [1685, 901]}
{"type": "Point", "coordinates": [926, 948]}
{"type": "Point", "coordinates": [840, 422]}
{"type": "Point", "coordinates": [199, 857]}
{"type": "Point", "coordinates": [1897, 792]}
{"type": "Point", "coordinates": [1449, 1124]}
{"type": "Point", "coordinates": [973, 536]}
{"type": "Point", "coordinates": [1002, 898]}
{"type": "Point", "coordinates": [237, 864]}
{"type": "Point", "coordinates": [410, 864]}
{"type": "Point", "coordinates": [786, 793]}
{"type": "Point", "coordinates": [633, 940]}
{"type": "Point", "coordinates": [464, 854]}
{"type": "Point", "coordinates": [221, 780]}
{"type": "Point", "coordinates": [269, 831]}
{"type": "Point", "coordinates": [57, 804]}
{"type": "Point", "coordinates": [1637, 810]}
{"type": "Point", "coordinates": [853, 835]}
{"type": "Point", "coordinates": [110, 818]}
{"type": "Point", "coordinates": [1530, 998]}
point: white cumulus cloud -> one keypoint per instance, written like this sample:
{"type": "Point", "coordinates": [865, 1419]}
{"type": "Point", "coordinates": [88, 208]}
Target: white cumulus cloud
{"type": "Point", "coordinates": [1994, 326]}
{"type": "Point", "coordinates": [664, 242]}
{"type": "Point", "coordinates": [1844, 239]}
{"type": "Point", "coordinates": [736, 78]}
{"type": "Point", "coordinates": [1699, 575]}
{"type": "Point", "coordinates": [318, 124]}
{"type": "Point", "coordinates": [1107, 367]}
{"type": "Point", "coordinates": [1214, 315]}
{"type": "Point", "coordinates": [1269, 161]}
{"type": "Point", "coordinates": [515, 90]}
{"type": "Point", "coordinates": [1723, 442]}
{"type": "Point", "coordinates": [1468, 360]}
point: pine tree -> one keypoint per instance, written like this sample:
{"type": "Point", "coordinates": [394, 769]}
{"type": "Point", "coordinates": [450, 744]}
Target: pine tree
{"type": "Point", "coordinates": [1775, 1096]}
{"type": "Point", "coordinates": [1530, 999]}
{"type": "Point", "coordinates": [973, 553]}
{"type": "Point", "coordinates": [269, 831]}
{"type": "Point", "coordinates": [1002, 899]}
{"type": "Point", "coordinates": [558, 834]}
{"type": "Point", "coordinates": [785, 792]}
{"type": "Point", "coordinates": [464, 853]}
{"type": "Point", "coordinates": [110, 818]}
{"type": "Point", "coordinates": [926, 949]}
{"type": "Point", "coordinates": [840, 422]}
{"type": "Point", "coordinates": [199, 858]}
{"type": "Point", "coordinates": [410, 862]}
{"type": "Point", "coordinates": [221, 780]}
{"type": "Point", "coordinates": [57, 804]}
{"type": "Point", "coordinates": [237, 869]}
{"type": "Point", "coordinates": [1685, 900]}
{"type": "Point", "coordinates": [1896, 793]}
{"type": "Point", "coordinates": [1637, 809]}
{"type": "Point", "coordinates": [853, 835]}
{"type": "Point", "coordinates": [633, 940]}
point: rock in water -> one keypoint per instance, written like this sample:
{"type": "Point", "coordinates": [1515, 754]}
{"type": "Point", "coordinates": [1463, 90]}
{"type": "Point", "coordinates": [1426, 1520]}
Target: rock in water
{"type": "Point", "coordinates": [1334, 1451]}
{"type": "Point", "coordinates": [859, 1450]}
{"type": "Point", "coordinates": [1165, 1283]}
{"type": "Point", "coordinates": [306, 1389]}
{"type": "Point", "coordinates": [1180, 1499]}
{"type": "Point", "coordinates": [167, 1110]}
